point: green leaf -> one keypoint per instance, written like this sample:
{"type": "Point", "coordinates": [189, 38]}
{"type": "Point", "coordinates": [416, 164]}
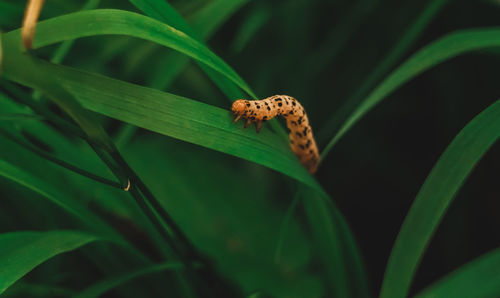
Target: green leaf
{"type": "Point", "coordinates": [20, 252]}
{"type": "Point", "coordinates": [157, 111]}
{"type": "Point", "coordinates": [408, 38]}
{"type": "Point", "coordinates": [435, 196]}
{"type": "Point", "coordinates": [171, 64]}
{"type": "Point", "coordinates": [336, 246]}
{"type": "Point", "coordinates": [102, 287]}
{"type": "Point", "coordinates": [162, 11]}
{"type": "Point", "coordinates": [166, 113]}
{"type": "Point", "coordinates": [479, 278]}
{"type": "Point", "coordinates": [62, 51]}
{"type": "Point", "coordinates": [46, 190]}
{"type": "Point", "coordinates": [19, 117]}
{"type": "Point", "coordinates": [443, 49]}
{"type": "Point", "coordinates": [252, 24]}
{"type": "Point", "coordinates": [234, 228]}
{"type": "Point", "coordinates": [206, 20]}
{"type": "Point", "coordinates": [110, 21]}
{"type": "Point", "coordinates": [25, 289]}
{"type": "Point", "coordinates": [58, 197]}
{"type": "Point", "coordinates": [287, 219]}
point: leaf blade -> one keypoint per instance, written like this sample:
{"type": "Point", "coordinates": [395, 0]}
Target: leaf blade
{"type": "Point", "coordinates": [20, 252]}
{"type": "Point", "coordinates": [118, 22]}
{"type": "Point", "coordinates": [104, 286]}
{"type": "Point", "coordinates": [164, 113]}
{"type": "Point", "coordinates": [434, 197]}
{"type": "Point", "coordinates": [441, 50]}
{"type": "Point", "coordinates": [478, 278]}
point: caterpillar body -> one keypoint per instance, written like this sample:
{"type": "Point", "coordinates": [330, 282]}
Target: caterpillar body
{"type": "Point", "coordinates": [301, 136]}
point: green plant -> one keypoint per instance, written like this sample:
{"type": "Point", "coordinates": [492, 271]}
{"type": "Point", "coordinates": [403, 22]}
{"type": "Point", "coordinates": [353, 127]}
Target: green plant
{"type": "Point", "coordinates": [152, 216]}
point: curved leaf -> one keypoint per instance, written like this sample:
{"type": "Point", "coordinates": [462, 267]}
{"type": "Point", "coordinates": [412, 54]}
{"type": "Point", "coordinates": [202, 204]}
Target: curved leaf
{"type": "Point", "coordinates": [407, 40]}
{"type": "Point", "coordinates": [100, 288]}
{"type": "Point", "coordinates": [154, 110]}
{"type": "Point", "coordinates": [20, 252]}
{"type": "Point", "coordinates": [443, 49]}
{"type": "Point", "coordinates": [433, 199]}
{"type": "Point", "coordinates": [59, 198]}
{"type": "Point", "coordinates": [119, 22]}
{"type": "Point", "coordinates": [48, 191]}
{"type": "Point", "coordinates": [205, 22]}
{"type": "Point", "coordinates": [162, 11]}
{"type": "Point", "coordinates": [213, 15]}
{"type": "Point", "coordinates": [170, 65]}
{"type": "Point", "coordinates": [339, 253]}
{"type": "Point", "coordinates": [479, 278]}
{"type": "Point", "coordinates": [161, 112]}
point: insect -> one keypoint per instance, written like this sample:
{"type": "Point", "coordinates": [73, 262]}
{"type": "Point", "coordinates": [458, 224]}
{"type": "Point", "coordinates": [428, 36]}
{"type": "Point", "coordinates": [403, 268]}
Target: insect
{"type": "Point", "coordinates": [301, 136]}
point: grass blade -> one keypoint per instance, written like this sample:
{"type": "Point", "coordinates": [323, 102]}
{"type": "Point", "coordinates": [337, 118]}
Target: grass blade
{"type": "Point", "coordinates": [162, 11]}
{"type": "Point", "coordinates": [206, 21]}
{"type": "Point", "coordinates": [171, 64]}
{"type": "Point", "coordinates": [187, 120]}
{"type": "Point", "coordinates": [20, 252]}
{"type": "Point", "coordinates": [24, 289]}
{"type": "Point", "coordinates": [167, 114]}
{"type": "Point", "coordinates": [284, 228]}
{"type": "Point", "coordinates": [104, 286]}
{"type": "Point", "coordinates": [19, 117]}
{"type": "Point", "coordinates": [436, 194]}
{"type": "Point", "coordinates": [59, 198]}
{"type": "Point", "coordinates": [339, 36]}
{"type": "Point", "coordinates": [58, 161]}
{"type": "Point", "coordinates": [50, 192]}
{"type": "Point", "coordinates": [110, 21]}
{"type": "Point", "coordinates": [479, 278]}
{"type": "Point", "coordinates": [402, 46]}
{"type": "Point", "coordinates": [252, 24]}
{"type": "Point", "coordinates": [443, 49]}
{"type": "Point", "coordinates": [64, 48]}
{"type": "Point", "coordinates": [335, 243]}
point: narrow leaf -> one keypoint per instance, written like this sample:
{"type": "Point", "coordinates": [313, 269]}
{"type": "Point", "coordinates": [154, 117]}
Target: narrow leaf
{"type": "Point", "coordinates": [408, 38]}
{"type": "Point", "coordinates": [479, 278]}
{"type": "Point", "coordinates": [104, 286]}
{"type": "Point", "coordinates": [435, 196]}
{"type": "Point", "coordinates": [338, 251]}
{"type": "Point", "coordinates": [443, 49]}
{"type": "Point", "coordinates": [213, 15]}
{"type": "Point", "coordinates": [56, 196]}
{"type": "Point", "coordinates": [164, 113]}
{"type": "Point", "coordinates": [19, 117]}
{"type": "Point", "coordinates": [110, 21]}
{"type": "Point", "coordinates": [20, 252]}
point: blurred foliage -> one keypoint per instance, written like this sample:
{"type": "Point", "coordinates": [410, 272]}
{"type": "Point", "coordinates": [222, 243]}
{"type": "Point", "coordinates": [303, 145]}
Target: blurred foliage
{"type": "Point", "coordinates": [214, 210]}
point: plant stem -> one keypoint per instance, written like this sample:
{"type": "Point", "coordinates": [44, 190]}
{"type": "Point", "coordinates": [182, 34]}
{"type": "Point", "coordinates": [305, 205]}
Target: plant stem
{"type": "Point", "coordinates": [58, 161]}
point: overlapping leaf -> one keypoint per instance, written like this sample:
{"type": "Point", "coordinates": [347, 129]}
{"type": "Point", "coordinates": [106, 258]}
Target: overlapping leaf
{"type": "Point", "coordinates": [435, 196]}
{"type": "Point", "coordinates": [20, 252]}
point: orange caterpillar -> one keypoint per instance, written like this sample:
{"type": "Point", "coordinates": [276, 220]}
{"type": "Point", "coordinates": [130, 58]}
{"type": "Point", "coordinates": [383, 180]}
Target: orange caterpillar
{"type": "Point", "coordinates": [301, 137]}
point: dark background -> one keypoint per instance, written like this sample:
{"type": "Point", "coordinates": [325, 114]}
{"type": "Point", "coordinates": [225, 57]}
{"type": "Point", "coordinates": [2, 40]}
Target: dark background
{"type": "Point", "coordinates": [376, 170]}
{"type": "Point", "coordinates": [320, 52]}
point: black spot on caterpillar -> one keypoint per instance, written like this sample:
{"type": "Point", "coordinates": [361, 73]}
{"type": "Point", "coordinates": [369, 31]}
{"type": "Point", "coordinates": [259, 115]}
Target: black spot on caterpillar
{"type": "Point", "coordinates": [302, 140]}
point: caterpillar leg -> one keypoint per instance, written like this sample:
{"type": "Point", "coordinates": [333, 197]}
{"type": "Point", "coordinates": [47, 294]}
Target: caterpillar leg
{"type": "Point", "coordinates": [258, 126]}
{"type": "Point", "coordinates": [236, 118]}
{"type": "Point", "coordinates": [247, 123]}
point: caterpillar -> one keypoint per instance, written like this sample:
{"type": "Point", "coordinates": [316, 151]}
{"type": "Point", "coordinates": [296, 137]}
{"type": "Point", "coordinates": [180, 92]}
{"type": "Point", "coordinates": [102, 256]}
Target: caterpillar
{"type": "Point", "coordinates": [300, 133]}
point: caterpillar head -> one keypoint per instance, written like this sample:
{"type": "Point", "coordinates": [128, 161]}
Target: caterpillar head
{"type": "Point", "coordinates": [238, 108]}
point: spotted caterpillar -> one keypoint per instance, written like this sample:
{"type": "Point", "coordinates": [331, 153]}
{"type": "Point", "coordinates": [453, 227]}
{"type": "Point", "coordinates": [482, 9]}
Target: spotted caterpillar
{"type": "Point", "coordinates": [301, 137]}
